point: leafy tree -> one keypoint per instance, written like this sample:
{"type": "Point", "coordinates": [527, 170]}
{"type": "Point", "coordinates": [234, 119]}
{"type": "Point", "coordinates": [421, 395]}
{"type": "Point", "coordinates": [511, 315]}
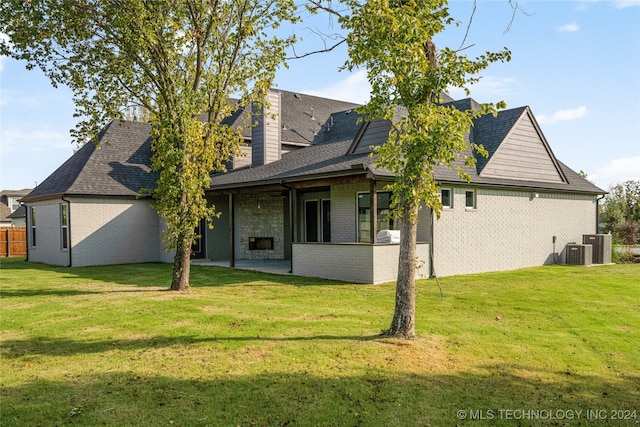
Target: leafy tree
{"type": "Point", "coordinates": [179, 59]}
{"type": "Point", "coordinates": [621, 211]}
{"type": "Point", "coordinates": [393, 40]}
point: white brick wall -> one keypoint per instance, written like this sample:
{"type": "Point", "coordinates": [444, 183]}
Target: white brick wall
{"type": "Point", "coordinates": [344, 211]}
{"type": "Point", "coordinates": [119, 231]}
{"type": "Point", "coordinates": [48, 247]}
{"type": "Point", "coordinates": [359, 263]}
{"type": "Point", "coordinates": [509, 230]}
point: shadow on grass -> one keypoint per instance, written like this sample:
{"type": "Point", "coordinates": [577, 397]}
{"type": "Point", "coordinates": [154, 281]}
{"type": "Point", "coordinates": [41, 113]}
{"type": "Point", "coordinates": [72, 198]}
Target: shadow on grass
{"type": "Point", "coordinates": [69, 292]}
{"type": "Point", "coordinates": [373, 398]}
{"type": "Point", "coordinates": [151, 275]}
{"type": "Point", "coordinates": [44, 346]}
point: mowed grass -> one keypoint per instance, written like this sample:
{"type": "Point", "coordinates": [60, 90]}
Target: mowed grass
{"type": "Point", "coordinates": [111, 346]}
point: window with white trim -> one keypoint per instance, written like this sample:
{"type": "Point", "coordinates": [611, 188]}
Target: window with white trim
{"type": "Point", "coordinates": [446, 198]}
{"type": "Point", "coordinates": [64, 226]}
{"type": "Point", "coordinates": [13, 203]}
{"type": "Point", "coordinates": [470, 199]}
{"type": "Point", "coordinates": [32, 224]}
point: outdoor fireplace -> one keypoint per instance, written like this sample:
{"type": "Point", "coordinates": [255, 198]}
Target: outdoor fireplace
{"type": "Point", "coordinates": [260, 243]}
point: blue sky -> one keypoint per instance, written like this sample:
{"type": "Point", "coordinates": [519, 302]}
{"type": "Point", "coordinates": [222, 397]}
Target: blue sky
{"type": "Point", "coordinates": [575, 63]}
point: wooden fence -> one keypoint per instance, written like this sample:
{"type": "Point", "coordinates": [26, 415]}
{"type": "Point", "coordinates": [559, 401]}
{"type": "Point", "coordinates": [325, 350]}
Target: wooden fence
{"type": "Point", "coordinates": [13, 241]}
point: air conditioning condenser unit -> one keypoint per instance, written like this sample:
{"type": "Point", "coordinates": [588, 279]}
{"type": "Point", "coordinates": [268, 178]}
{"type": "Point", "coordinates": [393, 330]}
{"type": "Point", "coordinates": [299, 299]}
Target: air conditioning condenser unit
{"type": "Point", "coordinates": [579, 254]}
{"type": "Point", "coordinates": [602, 245]}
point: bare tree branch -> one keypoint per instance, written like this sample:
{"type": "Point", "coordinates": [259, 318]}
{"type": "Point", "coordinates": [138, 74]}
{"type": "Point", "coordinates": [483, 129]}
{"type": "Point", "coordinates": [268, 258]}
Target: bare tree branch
{"type": "Point", "coordinates": [516, 7]}
{"type": "Point", "coordinates": [466, 34]}
{"type": "Point", "coordinates": [317, 5]}
{"type": "Point", "coordinates": [315, 52]}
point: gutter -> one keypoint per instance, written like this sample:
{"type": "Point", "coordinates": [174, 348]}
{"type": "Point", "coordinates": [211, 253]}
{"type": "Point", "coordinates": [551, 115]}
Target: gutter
{"type": "Point", "coordinates": [516, 187]}
{"type": "Point", "coordinates": [68, 228]}
{"type": "Point", "coordinates": [283, 182]}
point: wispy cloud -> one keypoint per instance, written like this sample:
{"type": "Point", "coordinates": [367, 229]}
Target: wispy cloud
{"type": "Point", "coordinates": [617, 171]}
{"type": "Point", "coordinates": [36, 140]}
{"type": "Point", "coordinates": [618, 4]}
{"type": "Point", "coordinates": [563, 115]}
{"type": "Point", "coordinates": [623, 4]}
{"type": "Point", "coordinates": [488, 89]}
{"type": "Point", "coordinates": [568, 28]}
{"type": "Point", "coordinates": [354, 88]}
{"type": "Point", "coordinates": [4, 38]}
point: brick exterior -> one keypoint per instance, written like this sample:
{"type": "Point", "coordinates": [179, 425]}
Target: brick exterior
{"type": "Point", "coordinates": [509, 230]}
{"type": "Point", "coordinates": [48, 248]}
{"type": "Point", "coordinates": [360, 263]}
{"type": "Point", "coordinates": [119, 231]}
{"type": "Point", "coordinates": [259, 215]}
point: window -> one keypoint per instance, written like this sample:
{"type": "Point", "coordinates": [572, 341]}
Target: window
{"type": "Point", "coordinates": [470, 199]}
{"type": "Point", "coordinates": [326, 220]}
{"type": "Point", "coordinates": [364, 215]}
{"type": "Point", "coordinates": [311, 221]}
{"type": "Point", "coordinates": [64, 226]}
{"type": "Point", "coordinates": [317, 220]}
{"type": "Point", "coordinates": [13, 202]}
{"type": "Point", "coordinates": [32, 223]}
{"type": "Point", "coordinates": [446, 198]}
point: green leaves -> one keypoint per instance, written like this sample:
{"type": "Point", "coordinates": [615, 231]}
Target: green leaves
{"type": "Point", "coordinates": [392, 39]}
{"type": "Point", "coordinates": [180, 60]}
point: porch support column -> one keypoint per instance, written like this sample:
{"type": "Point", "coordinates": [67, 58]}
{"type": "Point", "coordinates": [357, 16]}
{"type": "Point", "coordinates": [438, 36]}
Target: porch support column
{"type": "Point", "coordinates": [373, 217]}
{"type": "Point", "coordinates": [294, 216]}
{"type": "Point", "coordinates": [232, 233]}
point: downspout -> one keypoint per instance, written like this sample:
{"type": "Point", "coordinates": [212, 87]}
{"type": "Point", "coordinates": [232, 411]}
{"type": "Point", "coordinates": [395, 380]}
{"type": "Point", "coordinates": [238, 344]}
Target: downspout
{"type": "Point", "coordinates": [27, 227]}
{"type": "Point", "coordinates": [432, 270]}
{"type": "Point", "coordinates": [598, 213]}
{"type": "Point", "coordinates": [232, 233]}
{"type": "Point", "coordinates": [68, 228]}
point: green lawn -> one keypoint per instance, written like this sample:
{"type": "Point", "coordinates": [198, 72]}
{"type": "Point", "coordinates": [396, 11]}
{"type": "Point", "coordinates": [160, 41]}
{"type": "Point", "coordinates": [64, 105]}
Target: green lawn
{"type": "Point", "coordinates": [110, 346]}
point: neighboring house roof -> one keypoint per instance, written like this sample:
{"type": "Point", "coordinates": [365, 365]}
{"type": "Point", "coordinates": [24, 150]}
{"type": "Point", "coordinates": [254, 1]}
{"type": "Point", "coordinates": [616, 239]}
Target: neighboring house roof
{"type": "Point", "coordinates": [21, 212]}
{"type": "Point", "coordinates": [119, 165]}
{"type": "Point", "coordinates": [5, 208]}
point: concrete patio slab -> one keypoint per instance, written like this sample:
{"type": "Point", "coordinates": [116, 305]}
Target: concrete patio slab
{"type": "Point", "coordinates": [275, 266]}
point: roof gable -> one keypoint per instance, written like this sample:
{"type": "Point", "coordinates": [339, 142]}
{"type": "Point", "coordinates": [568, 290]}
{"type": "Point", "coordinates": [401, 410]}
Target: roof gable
{"type": "Point", "coordinates": [517, 148]}
{"type": "Point", "coordinates": [119, 165]}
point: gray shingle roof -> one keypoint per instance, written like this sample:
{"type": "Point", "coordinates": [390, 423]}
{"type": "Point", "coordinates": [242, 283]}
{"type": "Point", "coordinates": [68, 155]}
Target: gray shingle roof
{"type": "Point", "coordinates": [490, 131]}
{"type": "Point", "coordinates": [21, 212]}
{"type": "Point", "coordinates": [330, 156]}
{"type": "Point", "coordinates": [118, 166]}
{"type": "Point", "coordinates": [303, 115]}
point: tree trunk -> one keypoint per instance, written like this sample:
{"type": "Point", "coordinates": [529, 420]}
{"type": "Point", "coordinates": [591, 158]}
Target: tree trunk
{"type": "Point", "coordinates": [181, 266]}
{"type": "Point", "coordinates": [403, 323]}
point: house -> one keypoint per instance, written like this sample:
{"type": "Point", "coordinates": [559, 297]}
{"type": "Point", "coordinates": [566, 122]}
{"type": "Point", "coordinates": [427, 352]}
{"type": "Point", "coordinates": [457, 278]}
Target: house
{"type": "Point", "coordinates": [11, 213]}
{"type": "Point", "coordinates": [309, 192]}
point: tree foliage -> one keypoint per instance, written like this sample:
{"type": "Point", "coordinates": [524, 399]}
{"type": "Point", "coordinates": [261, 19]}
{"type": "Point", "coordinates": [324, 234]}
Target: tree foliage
{"type": "Point", "coordinates": [181, 60]}
{"type": "Point", "coordinates": [393, 40]}
{"type": "Point", "coordinates": [621, 212]}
